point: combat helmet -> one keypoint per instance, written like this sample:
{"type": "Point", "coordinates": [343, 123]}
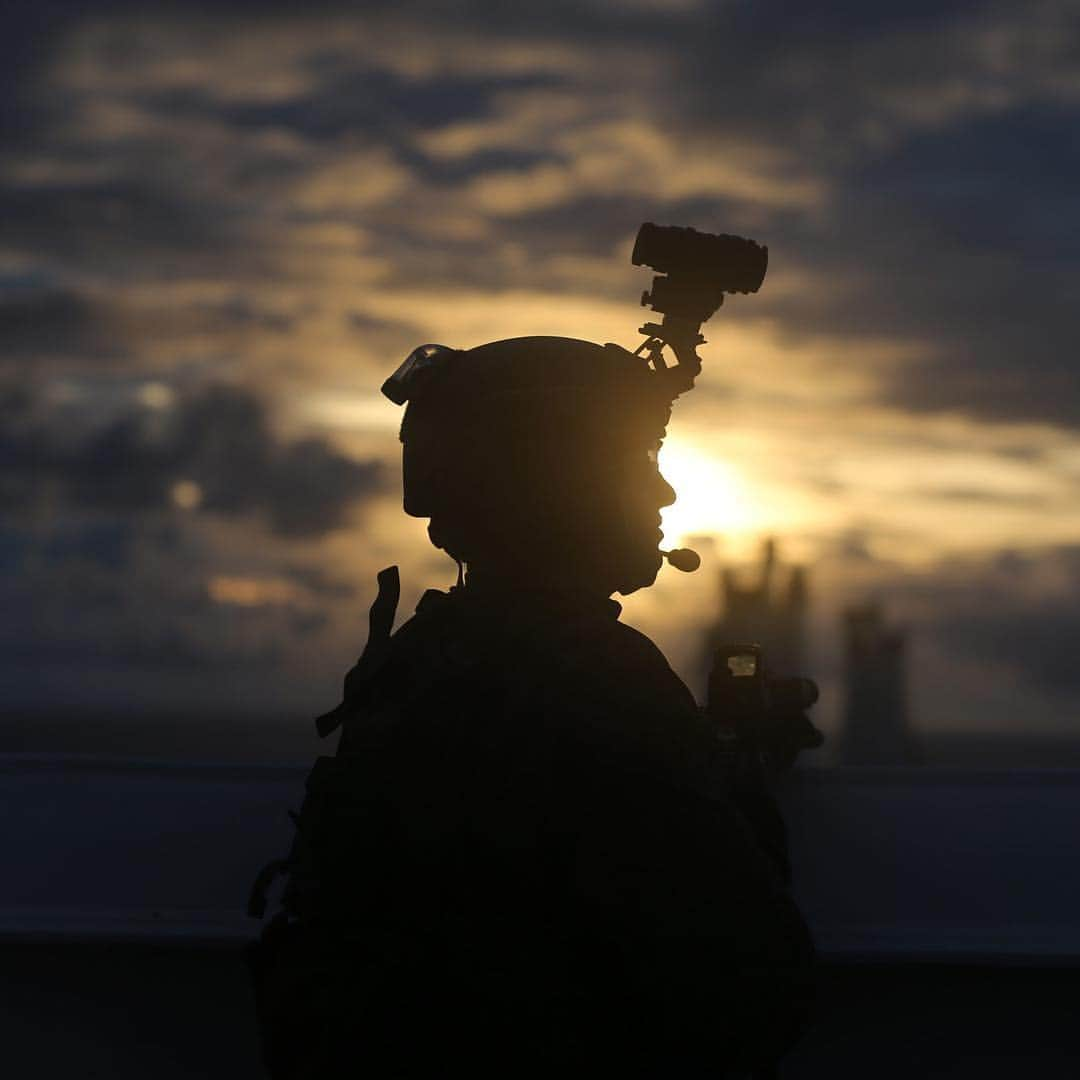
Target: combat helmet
{"type": "Point", "coordinates": [489, 426]}
{"type": "Point", "coordinates": [524, 403]}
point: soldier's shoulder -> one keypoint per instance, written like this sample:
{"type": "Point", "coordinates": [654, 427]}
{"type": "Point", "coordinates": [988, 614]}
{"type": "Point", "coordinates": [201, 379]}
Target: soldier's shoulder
{"type": "Point", "coordinates": [636, 646]}
{"type": "Point", "coordinates": [641, 661]}
{"type": "Point", "coordinates": [585, 657]}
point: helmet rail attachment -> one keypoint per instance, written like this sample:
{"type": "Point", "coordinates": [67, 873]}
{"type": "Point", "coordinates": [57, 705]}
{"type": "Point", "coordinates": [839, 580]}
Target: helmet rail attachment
{"type": "Point", "coordinates": [699, 269]}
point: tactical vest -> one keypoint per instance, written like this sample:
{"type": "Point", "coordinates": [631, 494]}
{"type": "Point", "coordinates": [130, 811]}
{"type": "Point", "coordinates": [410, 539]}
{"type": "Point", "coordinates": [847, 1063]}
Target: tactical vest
{"type": "Point", "coordinates": [517, 860]}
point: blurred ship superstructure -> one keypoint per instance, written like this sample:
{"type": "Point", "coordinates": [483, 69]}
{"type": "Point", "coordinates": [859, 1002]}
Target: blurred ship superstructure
{"type": "Point", "coordinates": [770, 607]}
{"type": "Point", "coordinates": [875, 727]}
{"type": "Point", "coordinates": [770, 610]}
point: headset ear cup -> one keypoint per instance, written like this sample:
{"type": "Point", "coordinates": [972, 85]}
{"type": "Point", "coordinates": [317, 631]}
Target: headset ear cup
{"type": "Point", "coordinates": [423, 477]}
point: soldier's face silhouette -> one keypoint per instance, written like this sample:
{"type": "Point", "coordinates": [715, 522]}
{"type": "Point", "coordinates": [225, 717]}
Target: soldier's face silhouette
{"type": "Point", "coordinates": [618, 504]}
{"type": "Point", "coordinates": [582, 512]}
{"type": "Point", "coordinates": [640, 493]}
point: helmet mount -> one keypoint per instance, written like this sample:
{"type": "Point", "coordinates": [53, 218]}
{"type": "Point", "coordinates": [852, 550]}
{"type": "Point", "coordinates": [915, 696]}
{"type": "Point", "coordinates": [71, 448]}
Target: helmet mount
{"type": "Point", "coordinates": [695, 271]}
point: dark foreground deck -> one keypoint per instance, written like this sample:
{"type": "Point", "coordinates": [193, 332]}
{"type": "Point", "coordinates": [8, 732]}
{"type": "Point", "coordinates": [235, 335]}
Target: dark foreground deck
{"type": "Point", "coordinates": [946, 905]}
{"type": "Point", "coordinates": [137, 1011]}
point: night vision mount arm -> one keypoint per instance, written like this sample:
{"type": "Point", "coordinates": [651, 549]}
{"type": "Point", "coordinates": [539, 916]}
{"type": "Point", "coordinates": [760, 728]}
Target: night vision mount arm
{"type": "Point", "coordinates": [695, 271]}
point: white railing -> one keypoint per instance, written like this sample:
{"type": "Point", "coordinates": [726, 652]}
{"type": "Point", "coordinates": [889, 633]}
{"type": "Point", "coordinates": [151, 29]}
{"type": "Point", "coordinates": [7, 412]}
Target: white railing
{"type": "Point", "coordinates": [889, 864]}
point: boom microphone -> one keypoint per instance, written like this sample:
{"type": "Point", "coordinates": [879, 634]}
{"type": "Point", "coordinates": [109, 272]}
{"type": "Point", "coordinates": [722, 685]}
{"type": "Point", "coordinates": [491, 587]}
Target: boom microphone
{"type": "Point", "coordinates": [683, 559]}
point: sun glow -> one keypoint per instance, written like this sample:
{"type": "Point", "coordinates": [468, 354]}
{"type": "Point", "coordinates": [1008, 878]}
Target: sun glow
{"type": "Point", "coordinates": [712, 498]}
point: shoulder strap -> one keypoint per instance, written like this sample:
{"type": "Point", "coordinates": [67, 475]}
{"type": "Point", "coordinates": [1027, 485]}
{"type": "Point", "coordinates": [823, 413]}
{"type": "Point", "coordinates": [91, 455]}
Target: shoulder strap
{"type": "Point", "coordinates": [380, 624]}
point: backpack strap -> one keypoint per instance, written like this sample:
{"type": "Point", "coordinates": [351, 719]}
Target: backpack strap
{"type": "Point", "coordinates": [359, 678]}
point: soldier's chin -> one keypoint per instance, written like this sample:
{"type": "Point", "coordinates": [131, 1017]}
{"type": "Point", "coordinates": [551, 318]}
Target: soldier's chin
{"type": "Point", "coordinates": [641, 574]}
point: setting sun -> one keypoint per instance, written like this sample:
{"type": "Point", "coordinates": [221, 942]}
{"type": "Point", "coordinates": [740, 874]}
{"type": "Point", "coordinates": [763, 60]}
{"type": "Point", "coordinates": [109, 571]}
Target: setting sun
{"type": "Point", "coordinates": [712, 497]}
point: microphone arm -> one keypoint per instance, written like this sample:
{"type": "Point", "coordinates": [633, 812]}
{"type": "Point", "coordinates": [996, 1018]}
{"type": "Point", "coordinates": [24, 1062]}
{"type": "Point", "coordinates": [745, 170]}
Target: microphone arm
{"type": "Point", "coordinates": [685, 559]}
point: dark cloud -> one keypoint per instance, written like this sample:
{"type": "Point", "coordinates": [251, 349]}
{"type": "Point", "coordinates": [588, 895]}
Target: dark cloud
{"type": "Point", "coordinates": [140, 611]}
{"type": "Point", "coordinates": [213, 452]}
{"type": "Point", "coordinates": [981, 495]}
{"type": "Point", "coordinates": [385, 338]}
{"type": "Point", "coordinates": [98, 223]}
{"type": "Point", "coordinates": [108, 543]}
{"type": "Point", "coordinates": [317, 581]}
{"type": "Point", "coordinates": [1038, 645]}
{"type": "Point", "coordinates": [42, 319]}
{"type": "Point", "coordinates": [1014, 614]}
{"type": "Point", "coordinates": [238, 310]}
{"type": "Point", "coordinates": [53, 321]}
{"type": "Point", "coordinates": [31, 31]}
{"type": "Point", "coordinates": [958, 241]}
{"type": "Point", "coordinates": [116, 620]}
{"type": "Point", "coordinates": [374, 104]}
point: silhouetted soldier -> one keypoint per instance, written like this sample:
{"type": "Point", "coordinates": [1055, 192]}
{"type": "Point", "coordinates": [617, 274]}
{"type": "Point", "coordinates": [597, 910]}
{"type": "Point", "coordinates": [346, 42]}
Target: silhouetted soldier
{"type": "Point", "coordinates": [523, 858]}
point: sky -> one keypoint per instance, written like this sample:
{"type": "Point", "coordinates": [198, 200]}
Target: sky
{"type": "Point", "coordinates": [222, 227]}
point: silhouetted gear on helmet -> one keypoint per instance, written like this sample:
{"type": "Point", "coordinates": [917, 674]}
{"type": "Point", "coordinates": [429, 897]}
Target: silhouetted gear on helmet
{"type": "Point", "coordinates": [538, 449]}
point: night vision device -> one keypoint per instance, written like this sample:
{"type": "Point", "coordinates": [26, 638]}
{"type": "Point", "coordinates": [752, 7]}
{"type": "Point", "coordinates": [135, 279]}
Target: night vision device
{"type": "Point", "coordinates": [695, 271]}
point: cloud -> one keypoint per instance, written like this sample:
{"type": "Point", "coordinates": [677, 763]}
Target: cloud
{"type": "Point", "coordinates": [634, 158]}
{"type": "Point", "coordinates": [353, 182]}
{"type": "Point", "coordinates": [1034, 645]}
{"type": "Point", "coordinates": [212, 452]}
{"type": "Point", "coordinates": [108, 224]}
{"type": "Point", "coordinates": [51, 321]}
{"type": "Point", "coordinates": [432, 150]}
{"type": "Point", "coordinates": [1008, 621]}
{"type": "Point", "coordinates": [123, 615]}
